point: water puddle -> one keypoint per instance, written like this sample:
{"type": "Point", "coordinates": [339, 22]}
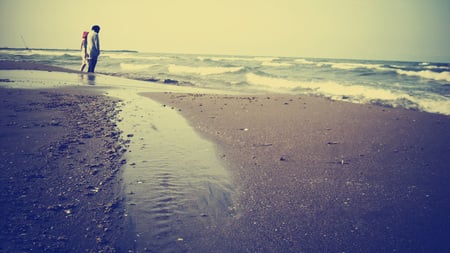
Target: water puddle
{"type": "Point", "coordinates": [177, 189]}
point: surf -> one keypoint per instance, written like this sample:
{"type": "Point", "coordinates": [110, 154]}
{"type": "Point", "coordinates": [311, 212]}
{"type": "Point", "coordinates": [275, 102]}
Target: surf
{"type": "Point", "coordinates": [354, 93]}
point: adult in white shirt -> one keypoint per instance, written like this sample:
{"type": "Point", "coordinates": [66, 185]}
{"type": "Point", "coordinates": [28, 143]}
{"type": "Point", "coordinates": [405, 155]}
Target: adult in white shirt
{"type": "Point", "coordinates": [93, 47]}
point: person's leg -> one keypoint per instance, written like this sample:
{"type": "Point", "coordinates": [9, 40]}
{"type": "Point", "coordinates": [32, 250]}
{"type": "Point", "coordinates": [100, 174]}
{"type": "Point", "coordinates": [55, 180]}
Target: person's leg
{"type": "Point", "coordinates": [92, 63]}
{"type": "Point", "coordinates": [83, 65]}
{"type": "Point", "coordinates": [89, 65]}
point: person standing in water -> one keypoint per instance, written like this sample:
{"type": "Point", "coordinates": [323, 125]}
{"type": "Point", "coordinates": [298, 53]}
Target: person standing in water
{"type": "Point", "coordinates": [84, 60]}
{"type": "Point", "coordinates": [93, 47]}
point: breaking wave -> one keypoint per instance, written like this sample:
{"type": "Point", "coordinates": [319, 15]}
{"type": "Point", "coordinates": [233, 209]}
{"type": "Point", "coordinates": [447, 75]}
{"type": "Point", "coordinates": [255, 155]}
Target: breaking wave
{"type": "Point", "coordinates": [355, 93]}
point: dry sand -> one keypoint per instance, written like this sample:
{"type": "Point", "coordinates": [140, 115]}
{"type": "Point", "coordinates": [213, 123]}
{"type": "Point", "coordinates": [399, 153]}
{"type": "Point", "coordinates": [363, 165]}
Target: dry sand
{"type": "Point", "coordinates": [316, 175]}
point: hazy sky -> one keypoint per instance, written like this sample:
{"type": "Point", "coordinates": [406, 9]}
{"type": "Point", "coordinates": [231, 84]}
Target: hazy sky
{"type": "Point", "coordinates": [362, 29]}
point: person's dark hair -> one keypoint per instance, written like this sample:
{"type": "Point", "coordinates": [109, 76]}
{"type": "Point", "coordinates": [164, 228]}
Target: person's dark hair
{"type": "Point", "coordinates": [96, 28]}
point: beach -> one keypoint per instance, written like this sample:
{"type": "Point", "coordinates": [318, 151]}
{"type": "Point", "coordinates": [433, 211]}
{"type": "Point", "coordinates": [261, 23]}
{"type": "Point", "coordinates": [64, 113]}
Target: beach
{"type": "Point", "coordinates": [311, 174]}
{"type": "Point", "coordinates": [316, 175]}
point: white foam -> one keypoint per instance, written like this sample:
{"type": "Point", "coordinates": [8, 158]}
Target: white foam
{"type": "Point", "coordinates": [437, 104]}
{"type": "Point", "coordinates": [202, 70]}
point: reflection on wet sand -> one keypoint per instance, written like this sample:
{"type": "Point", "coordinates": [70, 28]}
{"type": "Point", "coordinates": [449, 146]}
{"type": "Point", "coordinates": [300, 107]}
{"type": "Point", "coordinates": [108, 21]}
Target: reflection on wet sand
{"type": "Point", "coordinates": [87, 78]}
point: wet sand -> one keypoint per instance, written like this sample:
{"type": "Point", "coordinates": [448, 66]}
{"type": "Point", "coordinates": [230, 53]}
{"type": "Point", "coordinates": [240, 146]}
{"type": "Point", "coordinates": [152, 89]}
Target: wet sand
{"type": "Point", "coordinates": [24, 65]}
{"type": "Point", "coordinates": [316, 175]}
{"type": "Point", "coordinates": [60, 181]}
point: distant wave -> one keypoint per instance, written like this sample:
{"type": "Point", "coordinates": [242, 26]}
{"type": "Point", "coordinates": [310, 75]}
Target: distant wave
{"type": "Point", "coordinates": [438, 73]}
{"type": "Point", "coordinates": [350, 66]}
{"type": "Point", "coordinates": [355, 93]}
{"type": "Point", "coordinates": [135, 67]}
{"type": "Point", "coordinates": [43, 52]}
{"type": "Point", "coordinates": [232, 59]}
{"type": "Point", "coordinates": [344, 65]}
{"type": "Point", "coordinates": [437, 68]}
{"type": "Point", "coordinates": [128, 56]}
{"type": "Point", "coordinates": [304, 61]}
{"type": "Point", "coordinates": [428, 74]}
{"type": "Point", "coordinates": [202, 70]}
{"type": "Point", "coordinates": [276, 64]}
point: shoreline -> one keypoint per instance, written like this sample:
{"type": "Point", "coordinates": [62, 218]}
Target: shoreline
{"type": "Point", "coordinates": [27, 65]}
{"type": "Point", "coordinates": [315, 174]}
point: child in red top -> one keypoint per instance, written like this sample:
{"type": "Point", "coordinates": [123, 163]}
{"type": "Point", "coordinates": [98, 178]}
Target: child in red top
{"type": "Point", "coordinates": [84, 61]}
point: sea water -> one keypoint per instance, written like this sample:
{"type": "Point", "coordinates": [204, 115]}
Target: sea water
{"type": "Point", "coordinates": [423, 86]}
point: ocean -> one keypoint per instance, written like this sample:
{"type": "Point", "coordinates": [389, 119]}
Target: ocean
{"type": "Point", "coordinates": [423, 86]}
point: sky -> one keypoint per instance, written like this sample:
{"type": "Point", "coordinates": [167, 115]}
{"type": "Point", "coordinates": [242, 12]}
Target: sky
{"type": "Point", "coordinates": [411, 30]}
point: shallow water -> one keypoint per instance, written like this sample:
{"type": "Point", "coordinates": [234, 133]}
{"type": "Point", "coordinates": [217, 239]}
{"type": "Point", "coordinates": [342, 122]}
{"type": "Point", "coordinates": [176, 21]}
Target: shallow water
{"type": "Point", "coordinates": [176, 186]}
{"type": "Point", "coordinates": [173, 177]}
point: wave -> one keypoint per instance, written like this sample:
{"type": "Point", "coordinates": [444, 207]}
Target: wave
{"type": "Point", "coordinates": [428, 74]}
{"type": "Point", "coordinates": [202, 70]}
{"type": "Point", "coordinates": [354, 93]}
{"type": "Point", "coordinates": [329, 88]}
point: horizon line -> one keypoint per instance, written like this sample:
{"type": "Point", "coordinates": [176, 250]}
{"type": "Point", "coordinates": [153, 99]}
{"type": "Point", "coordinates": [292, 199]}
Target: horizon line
{"type": "Point", "coordinates": [218, 54]}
